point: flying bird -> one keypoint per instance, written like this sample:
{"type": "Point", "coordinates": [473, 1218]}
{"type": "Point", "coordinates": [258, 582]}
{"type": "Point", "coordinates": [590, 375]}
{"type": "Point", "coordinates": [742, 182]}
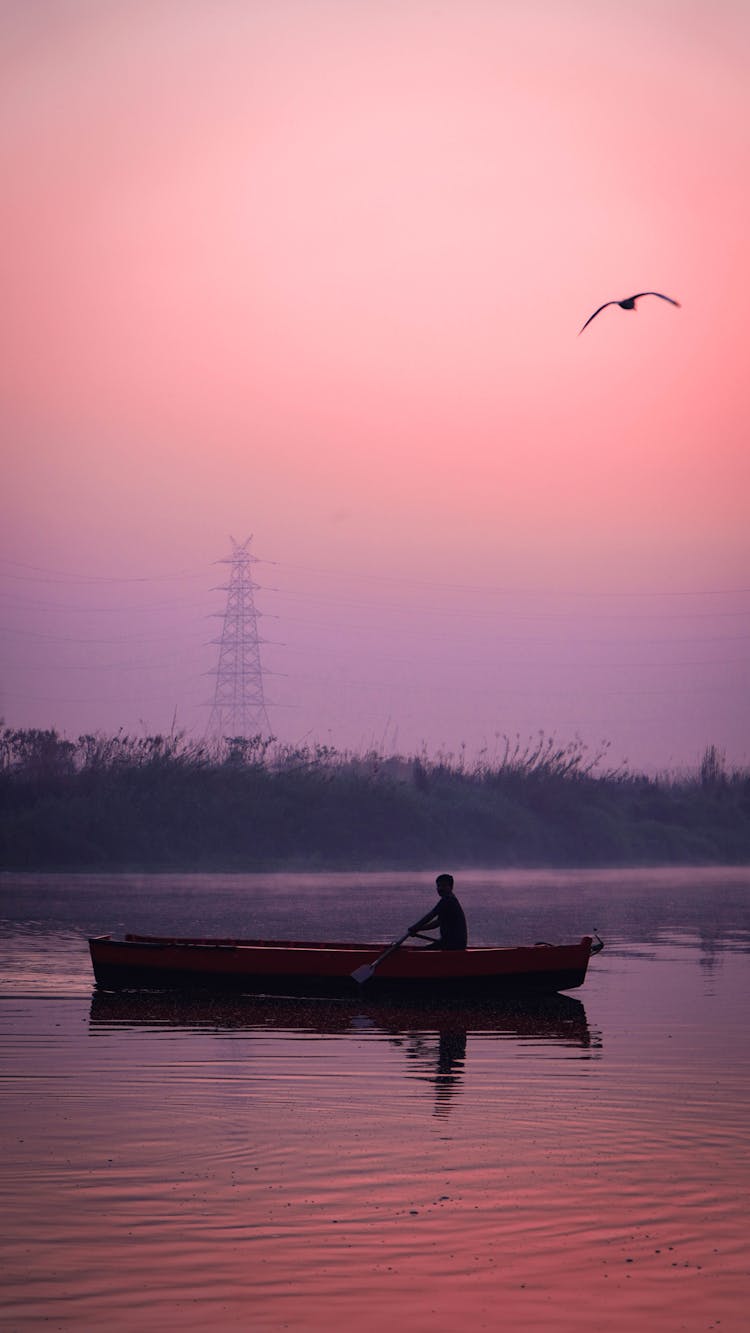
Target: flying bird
{"type": "Point", "coordinates": [627, 304]}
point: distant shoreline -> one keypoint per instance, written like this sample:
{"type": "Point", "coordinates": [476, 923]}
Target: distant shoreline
{"type": "Point", "coordinates": [359, 868]}
{"type": "Point", "coordinates": [168, 805]}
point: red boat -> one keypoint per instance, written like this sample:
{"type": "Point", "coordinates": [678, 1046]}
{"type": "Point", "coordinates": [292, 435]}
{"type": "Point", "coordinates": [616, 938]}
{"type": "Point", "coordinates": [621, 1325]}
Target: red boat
{"type": "Point", "coordinates": [282, 967]}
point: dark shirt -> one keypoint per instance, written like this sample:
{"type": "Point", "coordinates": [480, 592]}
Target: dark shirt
{"type": "Point", "coordinates": [449, 916]}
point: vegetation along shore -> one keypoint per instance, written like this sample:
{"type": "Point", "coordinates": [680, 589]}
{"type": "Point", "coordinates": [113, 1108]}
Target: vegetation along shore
{"type": "Point", "coordinates": [171, 803]}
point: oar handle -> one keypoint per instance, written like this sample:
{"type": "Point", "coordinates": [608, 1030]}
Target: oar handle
{"type": "Point", "coordinates": [391, 949]}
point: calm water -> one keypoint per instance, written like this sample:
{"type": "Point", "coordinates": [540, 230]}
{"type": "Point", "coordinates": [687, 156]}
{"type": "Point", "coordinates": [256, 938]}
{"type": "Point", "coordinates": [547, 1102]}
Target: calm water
{"type": "Point", "coordinates": [580, 1164]}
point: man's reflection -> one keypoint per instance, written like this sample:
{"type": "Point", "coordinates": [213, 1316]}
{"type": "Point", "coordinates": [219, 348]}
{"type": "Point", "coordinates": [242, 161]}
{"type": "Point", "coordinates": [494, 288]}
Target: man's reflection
{"type": "Point", "coordinates": [437, 1058]}
{"type": "Point", "coordinates": [434, 1039]}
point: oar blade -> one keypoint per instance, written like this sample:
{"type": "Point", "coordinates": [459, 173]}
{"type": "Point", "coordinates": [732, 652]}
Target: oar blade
{"type": "Point", "coordinates": [363, 973]}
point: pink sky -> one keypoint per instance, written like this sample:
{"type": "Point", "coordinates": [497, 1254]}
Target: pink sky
{"type": "Point", "coordinates": [315, 271]}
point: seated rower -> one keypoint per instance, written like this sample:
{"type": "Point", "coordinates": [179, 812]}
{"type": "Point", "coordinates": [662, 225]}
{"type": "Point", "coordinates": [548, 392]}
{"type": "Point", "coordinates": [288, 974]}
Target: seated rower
{"type": "Point", "coordinates": [448, 915]}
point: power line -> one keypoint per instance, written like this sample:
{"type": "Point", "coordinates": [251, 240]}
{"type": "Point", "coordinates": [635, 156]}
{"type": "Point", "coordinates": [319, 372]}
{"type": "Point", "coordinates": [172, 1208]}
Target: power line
{"type": "Point", "coordinates": [61, 576]}
{"type": "Point", "coordinates": [504, 590]}
{"type": "Point", "coordinates": [20, 603]}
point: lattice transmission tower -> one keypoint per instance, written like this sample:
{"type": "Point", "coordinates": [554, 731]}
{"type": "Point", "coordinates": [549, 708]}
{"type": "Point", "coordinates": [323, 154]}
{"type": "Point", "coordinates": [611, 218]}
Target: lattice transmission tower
{"type": "Point", "coordinates": [239, 706]}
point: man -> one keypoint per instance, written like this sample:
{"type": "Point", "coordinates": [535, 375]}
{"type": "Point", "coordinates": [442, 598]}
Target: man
{"type": "Point", "coordinates": [448, 915]}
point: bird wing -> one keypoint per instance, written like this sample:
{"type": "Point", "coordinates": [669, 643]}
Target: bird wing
{"type": "Point", "coordinates": [659, 294]}
{"type": "Point", "coordinates": [596, 312]}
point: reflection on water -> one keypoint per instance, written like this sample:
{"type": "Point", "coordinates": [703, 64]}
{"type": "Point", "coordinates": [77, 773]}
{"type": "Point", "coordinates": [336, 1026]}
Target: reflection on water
{"type": "Point", "coordinates": [240, 1163]}
{"type": "Point", "coordinates": [432, 1038]}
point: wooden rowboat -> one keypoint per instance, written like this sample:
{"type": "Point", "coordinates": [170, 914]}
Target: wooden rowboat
{"type": "Point", "coordinates": [283, 967]}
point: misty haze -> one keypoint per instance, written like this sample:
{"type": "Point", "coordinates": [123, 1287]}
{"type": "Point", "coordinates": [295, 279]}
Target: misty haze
{"type": "Point", "coordinates": [374, 727]}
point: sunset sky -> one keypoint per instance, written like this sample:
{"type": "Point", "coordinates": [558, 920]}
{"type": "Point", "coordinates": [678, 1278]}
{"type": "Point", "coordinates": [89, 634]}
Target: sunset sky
{"type": "Point", "coordinates": [314, 270]}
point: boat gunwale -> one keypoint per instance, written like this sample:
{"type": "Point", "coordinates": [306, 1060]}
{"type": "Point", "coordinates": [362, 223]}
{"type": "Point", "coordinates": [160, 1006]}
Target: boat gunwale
{"type": "Point", "coordinates": [330, 946]}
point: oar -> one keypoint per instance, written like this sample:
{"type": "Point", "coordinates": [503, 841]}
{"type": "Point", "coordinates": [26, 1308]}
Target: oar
{"type": "Point", "coordinates": [364, 972]}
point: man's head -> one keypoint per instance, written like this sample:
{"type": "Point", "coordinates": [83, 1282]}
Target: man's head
{"type": "Point", "coordinates": [444, 884]}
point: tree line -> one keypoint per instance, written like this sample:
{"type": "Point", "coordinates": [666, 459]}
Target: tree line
{"type": "Point", "coordinates": [116, 802]}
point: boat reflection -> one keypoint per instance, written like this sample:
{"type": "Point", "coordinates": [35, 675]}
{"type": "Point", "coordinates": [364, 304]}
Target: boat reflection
{"type": "Point", "coordinates": [434, 1038]}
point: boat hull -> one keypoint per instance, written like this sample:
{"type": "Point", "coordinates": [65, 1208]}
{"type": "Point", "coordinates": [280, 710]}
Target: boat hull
{"type": "Point", "coordinates": [287, 968]}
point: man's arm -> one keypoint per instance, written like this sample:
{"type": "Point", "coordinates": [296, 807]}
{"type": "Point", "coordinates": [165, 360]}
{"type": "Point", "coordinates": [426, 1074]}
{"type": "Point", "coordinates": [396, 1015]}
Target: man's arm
{"type": "Point", "coordinates": [424, 923]}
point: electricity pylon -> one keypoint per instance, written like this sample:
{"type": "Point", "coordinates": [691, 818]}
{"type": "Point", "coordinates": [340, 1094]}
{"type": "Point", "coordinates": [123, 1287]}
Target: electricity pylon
{"type": "Point", "coordinates": [239, 707]}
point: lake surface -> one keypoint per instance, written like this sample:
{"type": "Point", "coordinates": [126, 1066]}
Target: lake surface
{"type": "Point", "coordinates": [576, 1164]}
